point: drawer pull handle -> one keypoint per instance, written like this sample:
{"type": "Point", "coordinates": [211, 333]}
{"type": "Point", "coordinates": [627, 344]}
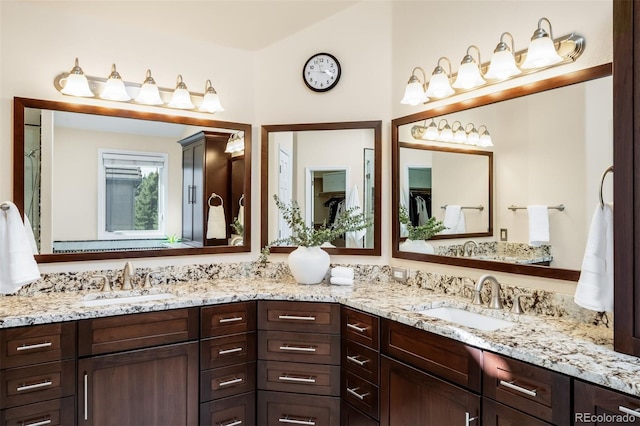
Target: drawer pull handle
{"type": "Point", "coordinates": [35, 346]}
{"type": "Point", "coordinates": [517, 388]}
{"type": "Point", "coordinates": [296, 318]}
{"type": "Point", "coordinates": [231, 382]}
{"type": "Point", "coordinates": [286, 419]}
{"type": "Point", "coordinates": [356, 328]}
{"type": "Point", "coordinates": [468, 419]}
{"type": "Point", "coordinates": [232, 422]}
{"type": "Point", "coordinates": [287, 378]}
{"type": "Point", "coordinates": [40, 423]}
{"type": "Point", "coordinates": [298, 348]}
{"type": "Point", "coordinates": [234, 319]}
{"type": "Point", "coordinates": [355, 360]}
{"type": "Point", "coordinates": [44, 384]}
{"type": "Point", "coordinates": [635, 413]}
{"type": "Point", "coordinates": [86, 396]}
{"type": "Point", "coordinates": [353, 392]}
{"type": "Point", "coordinates": [229, 351]}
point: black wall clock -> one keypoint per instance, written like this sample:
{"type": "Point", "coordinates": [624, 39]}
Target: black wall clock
{"type": "Point", "coordinates": [321, 72]}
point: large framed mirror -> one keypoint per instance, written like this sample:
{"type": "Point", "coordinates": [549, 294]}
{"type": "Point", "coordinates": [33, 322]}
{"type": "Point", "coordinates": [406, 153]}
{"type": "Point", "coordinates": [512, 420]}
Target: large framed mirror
{"type": "Point", "coordinates": [107, 183]}
{"type": "Point", "coordinates": [322, 166]}
{"type": "Point", "coordinates": [552, 142]}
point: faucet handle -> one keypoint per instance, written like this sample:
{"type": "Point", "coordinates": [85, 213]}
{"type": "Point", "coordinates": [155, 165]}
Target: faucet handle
{"type": "Point", "coordinates": [107, 285]}
{"type": "Point", "coordinates": [477, 297]}
{"type": "Point", "coordinates": [517, 306]}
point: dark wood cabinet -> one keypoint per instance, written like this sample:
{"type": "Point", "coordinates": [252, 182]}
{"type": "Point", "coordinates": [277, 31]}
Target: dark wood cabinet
{"type": "Point", "coordinates": [152, 386]}
{"type": "Point", "coordinates": [626, 177]}
{"type": "Point", "coordinates": [496, 414]}
{"type": "Point", "coordinates": [239, 410]}
{"type": "Point", "coordinates": [56, 412]}
{"type": "Point", "coordinates": [412, 397]}
{"type": "Point", "coordinates": [594, 405]}
{"type": "Point", "coordinates": [206, 169]}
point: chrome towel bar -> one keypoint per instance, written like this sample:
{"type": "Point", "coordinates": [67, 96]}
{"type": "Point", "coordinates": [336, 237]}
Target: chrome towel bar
{"type": "Point", "coordinates": [558, 207]}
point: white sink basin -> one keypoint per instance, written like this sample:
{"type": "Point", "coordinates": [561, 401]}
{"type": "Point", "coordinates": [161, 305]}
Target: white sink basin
{"type": "Point", "coordinates": [127, 299]}
{"type": "Point", "coordinates": [466, 318]}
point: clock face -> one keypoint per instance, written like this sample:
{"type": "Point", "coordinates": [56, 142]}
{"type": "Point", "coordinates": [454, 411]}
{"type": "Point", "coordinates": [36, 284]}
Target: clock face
{"type": "Point", "coordinates": [321, 72]}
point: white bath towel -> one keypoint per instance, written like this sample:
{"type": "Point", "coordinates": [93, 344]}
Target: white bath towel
{"type": "Point", "coordinates": [538, 225]}
{"type": "Point", "coordinates": [454, 220]}
{"type": "Point", "coordinates": [30, 236]}
{"type": "Point", "coordinates": [341, 281]}
{"type": "Point", "coordinates": [342, 272]}
{"type": "Point", "coordinates": [216, 223]}
{"type": "Point", "coordinates": [595, 285]}
{"type": "Point", "coordinates": [354, 238]}
{"type": "Point", "coordinates": [17, 265]}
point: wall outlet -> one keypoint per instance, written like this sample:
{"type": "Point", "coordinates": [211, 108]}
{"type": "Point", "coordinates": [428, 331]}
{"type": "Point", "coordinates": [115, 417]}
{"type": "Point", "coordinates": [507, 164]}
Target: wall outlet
{"type": "Point", "coordinates": [399, 274]}
{"type": "Point", "coordinates": [503, 234]}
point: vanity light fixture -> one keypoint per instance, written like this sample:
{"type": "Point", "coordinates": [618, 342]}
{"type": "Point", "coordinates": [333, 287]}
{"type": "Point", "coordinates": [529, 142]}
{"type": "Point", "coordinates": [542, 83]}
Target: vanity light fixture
{"type": "Point", "coordinates": [485, 138]}
{"type": "Point", "coordinates": [431, 132]}
{"type": "Point", "coordinates": [149, 93]}
{"type": "Point", "coordinates": [469, 75]}
{"type": "Point", "coordinates": [235, 143]}
{"type": "Point", "coordinates": [459, 135]}
{"type": "Point", "coordinates": [543, 52]}
{"type": "Point", "coordinates": [439, 85]}
{"type": "Point", "coordinates": [446, 134]}
{"type": "Point", "coordinates": [456, 133]}
{"type": "Point", "coordinates": [114, 88]}
{"type": "Point", "coordinates": [415, 90]}
{"type": "Point", "coordinates": [503, 63]}
{"type": "Point", "coordinates": [473, 137]}
{"type": "Point", "coordinates": [76, 83]}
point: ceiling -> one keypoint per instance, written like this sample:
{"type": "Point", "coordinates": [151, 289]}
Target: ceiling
{"type": "Point", "coordinates": [242, 24]}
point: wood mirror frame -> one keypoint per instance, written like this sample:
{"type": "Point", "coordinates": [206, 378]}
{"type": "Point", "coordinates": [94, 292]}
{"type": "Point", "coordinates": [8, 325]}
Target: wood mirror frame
{"type": "Point", "coordinates": [265, 198]}
{"type": "Point", "coordinates": [19, 106]}
{"type": "Point", "coordinates": [527, 89]}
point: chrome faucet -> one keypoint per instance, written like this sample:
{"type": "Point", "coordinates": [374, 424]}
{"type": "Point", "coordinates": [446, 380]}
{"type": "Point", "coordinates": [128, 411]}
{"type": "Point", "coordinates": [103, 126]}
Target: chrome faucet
{"type": "Point", "coordinates": [467, 250]}
{"type": "Point", "coordinates": [127, 272]}
{"type": "Point", "coordinates": [495, 302]}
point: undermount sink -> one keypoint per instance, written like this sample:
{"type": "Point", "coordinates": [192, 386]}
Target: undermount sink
{"type": "Point", "coordinates": [466, 318]}
{"type": "Point", "coordinates": [121, 300]}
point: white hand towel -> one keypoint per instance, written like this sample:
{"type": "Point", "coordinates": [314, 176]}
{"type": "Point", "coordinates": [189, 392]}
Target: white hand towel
{"type": "Point", "coordinates": [216, 224]}
{"type": "Point", "coordinates": [595, 285]}
{"type": "Point", "coordinates": [30, 236]}
{"type": "Point", "coordinates": [341, 281]}
{"type": "Point", "coordinates": [454, 220]}
{"type": "Point", "coordinates": [538, 225]}
{"type": "Point", "coordinates": [241, 215]}
{"type": "Point", "coordinates": [353, 202]}
{"type": "Point", "coordinates": [342, 272]}
{"type": "Point", "coordinates": [17, 265]}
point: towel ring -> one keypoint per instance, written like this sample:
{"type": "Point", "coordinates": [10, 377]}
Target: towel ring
{"type": "Point", "coordinates": [241, 201]}
{"type": "Point", "coordinates": [214, 196]}
{"type": "Point", "coordinates": [610, 169]}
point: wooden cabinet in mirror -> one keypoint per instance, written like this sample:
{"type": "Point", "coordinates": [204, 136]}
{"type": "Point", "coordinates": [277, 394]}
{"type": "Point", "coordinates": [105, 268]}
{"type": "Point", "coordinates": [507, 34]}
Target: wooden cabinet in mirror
{"type": "Point", "coordinates": [550, 147]}
{"type": "Point", "coordinates": [106, 183]}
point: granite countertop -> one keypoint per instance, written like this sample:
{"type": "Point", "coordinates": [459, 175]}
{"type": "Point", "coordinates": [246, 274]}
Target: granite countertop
{"type": "Point", "coordinates": [577, 349]}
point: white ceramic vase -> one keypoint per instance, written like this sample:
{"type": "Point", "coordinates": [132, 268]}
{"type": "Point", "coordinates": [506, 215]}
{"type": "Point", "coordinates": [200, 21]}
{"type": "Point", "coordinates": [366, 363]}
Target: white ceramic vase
{"type": "Point", "coordinates": [417, 246]}
{"type": "Point", "coordinates": [309, 265]}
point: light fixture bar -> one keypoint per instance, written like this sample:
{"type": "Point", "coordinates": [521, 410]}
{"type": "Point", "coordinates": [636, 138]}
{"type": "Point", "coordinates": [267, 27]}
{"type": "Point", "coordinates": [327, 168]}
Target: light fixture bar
{"type": "Point", "coordinates": [97, 84]}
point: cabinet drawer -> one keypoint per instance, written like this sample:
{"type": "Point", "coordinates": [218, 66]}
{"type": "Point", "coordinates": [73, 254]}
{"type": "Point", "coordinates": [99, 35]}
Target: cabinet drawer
{"type": "Point", "coordinates": [360, 327]}
{"type": "Point", "coordinates": [37, 344]}
{"type": "Point", "coordinates": [125, 332]}
{"type": "Point", "coordinates": [360, 360]}
{"type": "Point", "coordinates": [222, 351]}
{"type": "Point", "coordinates": [536, 391]}
{"type": "Point", "coordinates": [592, 400]}
{"type": "Point", "coordinates": [26, 385]}
{"type": "Point", "coordinates": [299, 347]}
{"type": "Point", "coordinates": [227, 381]}
{"type": "Point", "coordinates": [496, 414]}
{"type": "Point", "coordinates": [295, 377]}
{"type": "Point", "coordinates": [349, 416]}
{"type": "Point", "coordinates": [444, 357]}
{"type": "Point", "coordinates": [299, 316]}
{"type": "Point", "coordinates": [360, 393]}
{"type": "Point", "coordinates": [278, 409]}
{"type": "Point", "coordinates": [232, 411]}
{"type": "Point", "coordinates": [57, 412]}
{"type": "Point", "coordinates": [228, 319]}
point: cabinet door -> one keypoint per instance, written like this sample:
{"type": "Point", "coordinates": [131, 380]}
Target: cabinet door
{"type": "Point", "coordinates": [193, 193]}
{"type": "Point", "coordinates": [496, 414]}
{"type": "Point", "coordinates": [410, 397]}
{"type": "Point", "coordinates": [233, 411]}
{"type": "Point", "coordinates": [144, 387]}
{"type": "Point", "coordinates": [349, 416]}
{"type": "Point", "coordinates": [594, 405]}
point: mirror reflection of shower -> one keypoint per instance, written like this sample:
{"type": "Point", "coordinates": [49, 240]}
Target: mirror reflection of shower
{"type": "Point", "coordinates": [32, 165]}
